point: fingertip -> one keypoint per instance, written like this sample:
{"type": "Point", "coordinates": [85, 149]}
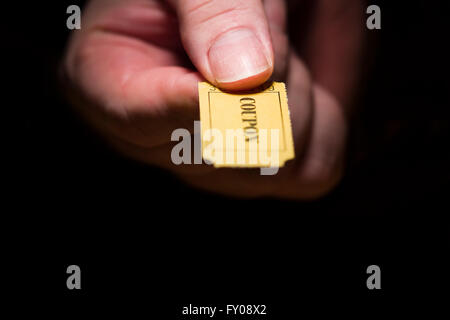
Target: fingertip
{"type": "Point", "coordinates": [247, 83]}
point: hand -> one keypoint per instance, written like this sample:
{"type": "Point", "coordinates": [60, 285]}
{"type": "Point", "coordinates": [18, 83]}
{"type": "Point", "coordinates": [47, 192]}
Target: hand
{"type": "Point", "coordinates": [133, 70]}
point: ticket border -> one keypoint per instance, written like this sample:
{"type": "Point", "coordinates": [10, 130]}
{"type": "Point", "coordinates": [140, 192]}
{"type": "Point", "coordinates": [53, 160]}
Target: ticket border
{"type": "Point", "coordinates": [285, 154]}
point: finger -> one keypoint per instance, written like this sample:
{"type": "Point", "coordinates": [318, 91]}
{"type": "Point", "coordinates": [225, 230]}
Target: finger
{"type": "Point", "coordinates": [276, 14]}
{"type": "Point", "coordinates": [332, 49]}
{"type": "Point", "coordinates": [128, 88]}
{"type": "Point", "coordinates": [323, 162]}
{"type": "Point", "coordinates": [228, 41]}
{"type": "Point", "coordinates": [320, 129]}
{"type": "Point", "coordinates": [142, 107]}
{"type": "Point", "coordinates": [276, 17]}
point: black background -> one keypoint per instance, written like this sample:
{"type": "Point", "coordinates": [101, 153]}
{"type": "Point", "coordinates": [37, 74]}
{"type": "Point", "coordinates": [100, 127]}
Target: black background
{"type": "Point", "coordinates": [147, 244]}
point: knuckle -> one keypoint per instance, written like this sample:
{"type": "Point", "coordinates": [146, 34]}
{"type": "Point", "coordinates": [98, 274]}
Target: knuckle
{"type": "Point", "coordinates": [321, 178]}
{"type": "Point", "coordinates": [77, 56]}
{"type": "Point", "coordinates": [206, 12]}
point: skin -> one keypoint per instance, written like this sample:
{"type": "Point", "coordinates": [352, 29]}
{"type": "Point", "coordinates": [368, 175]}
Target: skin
{"type": "Point", "coordinates": [133, 68]}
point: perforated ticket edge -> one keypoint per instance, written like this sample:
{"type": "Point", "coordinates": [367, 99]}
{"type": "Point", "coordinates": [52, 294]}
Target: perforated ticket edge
{"type": "Point", "coordinates": [280, 87]}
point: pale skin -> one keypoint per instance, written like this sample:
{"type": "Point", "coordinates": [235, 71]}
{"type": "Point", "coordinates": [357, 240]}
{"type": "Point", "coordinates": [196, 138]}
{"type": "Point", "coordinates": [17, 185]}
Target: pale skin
{"type": "Point", "coordinates": [133, 68]}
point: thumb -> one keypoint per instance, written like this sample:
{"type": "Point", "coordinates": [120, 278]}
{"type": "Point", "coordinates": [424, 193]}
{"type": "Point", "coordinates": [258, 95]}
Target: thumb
{"type": "Point", "coordinates": [228, 41]}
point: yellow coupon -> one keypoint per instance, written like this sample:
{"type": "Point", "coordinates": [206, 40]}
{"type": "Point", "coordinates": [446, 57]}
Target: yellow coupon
{"type": "Point", "coordinates": [246, 129]}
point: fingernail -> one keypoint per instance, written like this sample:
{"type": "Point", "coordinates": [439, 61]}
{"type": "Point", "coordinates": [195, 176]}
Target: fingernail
{"type": "Point", "coordinates": [237, 55]}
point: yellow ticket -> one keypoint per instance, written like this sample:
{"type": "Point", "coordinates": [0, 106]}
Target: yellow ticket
{"type": "Point", "coordinates": [246, 129]}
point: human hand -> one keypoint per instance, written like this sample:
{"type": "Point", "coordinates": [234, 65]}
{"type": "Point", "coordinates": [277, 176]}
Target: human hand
{"type": "Point", "coordinates": [133, 70]}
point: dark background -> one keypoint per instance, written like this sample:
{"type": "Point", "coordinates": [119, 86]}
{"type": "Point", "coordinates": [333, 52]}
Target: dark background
{"type": "Point", "coordinates": [147, 244]}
